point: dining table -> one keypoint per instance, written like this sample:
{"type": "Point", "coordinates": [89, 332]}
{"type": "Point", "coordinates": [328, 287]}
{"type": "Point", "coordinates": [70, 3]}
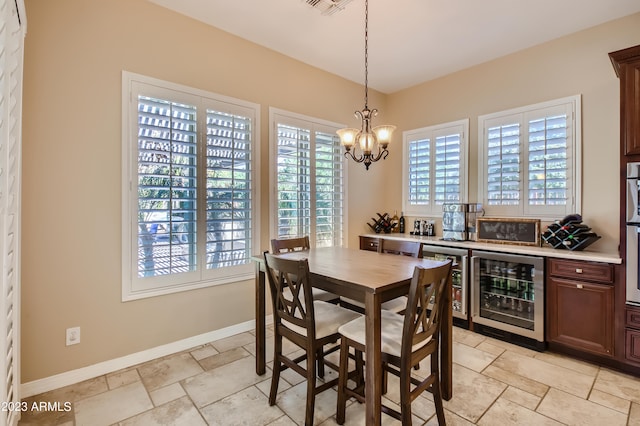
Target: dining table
{"type": "Point", "coordinates": [371, 278]}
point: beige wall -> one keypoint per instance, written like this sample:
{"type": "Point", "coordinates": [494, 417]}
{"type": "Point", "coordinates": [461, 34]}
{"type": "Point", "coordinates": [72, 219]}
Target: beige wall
{"type": "Point", "coordinates": [572, 65]}
{"type": "Point", "coordinates": [75, 53]}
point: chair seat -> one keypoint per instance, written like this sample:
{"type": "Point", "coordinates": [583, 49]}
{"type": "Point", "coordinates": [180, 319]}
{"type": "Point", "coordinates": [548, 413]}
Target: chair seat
{"type": "Point", "coordinates": [329, 318]}
{"type": "Point", "coordinates": [396, 305]}
{"type": "Point", "coordinates": [390, 332]}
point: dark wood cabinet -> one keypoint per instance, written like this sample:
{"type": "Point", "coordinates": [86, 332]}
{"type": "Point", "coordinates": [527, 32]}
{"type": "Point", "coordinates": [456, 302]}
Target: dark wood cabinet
{"type": "Point", "coordinates": [369, 243]}
{"type": "Point", "coordinates": [627, 65]}
{"type": "Point", "coordinates": [632, 335]}
{"type": "Point", "coordinates": [580, 305]}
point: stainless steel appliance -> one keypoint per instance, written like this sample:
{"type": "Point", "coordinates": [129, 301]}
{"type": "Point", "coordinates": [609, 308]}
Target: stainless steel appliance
{"type": "Point", "coordinates": [460, 290]}
{"type": "Point", "coordinates": [633, 229]}
{"type": "Point", "coordinates": [459, 221]}
{"type": "Point", "coordinates": [508, 297]}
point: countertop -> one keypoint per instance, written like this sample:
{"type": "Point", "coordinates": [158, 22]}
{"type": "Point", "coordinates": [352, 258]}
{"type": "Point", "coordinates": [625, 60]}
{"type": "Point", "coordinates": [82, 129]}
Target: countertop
{"type": "Point", "coordinates": [543, 251]}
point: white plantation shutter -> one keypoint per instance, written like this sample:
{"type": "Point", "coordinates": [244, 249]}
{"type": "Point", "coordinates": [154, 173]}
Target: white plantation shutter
{"type": "Point", "coordinates": [189, 194]}
{"type": "Point", "coordinates": [12, 31]}
{"type": "Point", "coordinates": [529, 160]}
{"type": "Point", "coordinates": [329, 192]}
{"type": "Point", "coordinates": [434, 168]}
{"type": "Point", "coordinates": [503, 163]}
{"type": "Point", "coordinates": [419, 172]}
{"type": "Point", "coordinates": [167, 187]}
{"type": "Point", "coordinates": [229, 189]}
{"type": "Point", "coordinates": [550, 160]}
{"type": "Point", "coordinates": [309, 180]}
{"type": "Point", "coordinates": [448, 172]}
{"type": "Point", "coordinates": [293, 182]}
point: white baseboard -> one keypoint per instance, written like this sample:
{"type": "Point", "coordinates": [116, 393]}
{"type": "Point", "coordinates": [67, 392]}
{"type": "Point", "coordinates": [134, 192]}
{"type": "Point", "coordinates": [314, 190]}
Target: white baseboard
{"type": "Point", "coordinates": [75, 376]}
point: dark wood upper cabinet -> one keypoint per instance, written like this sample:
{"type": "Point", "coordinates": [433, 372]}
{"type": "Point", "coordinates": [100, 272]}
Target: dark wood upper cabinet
{"type": "Point", "coordinates": [627, 65]}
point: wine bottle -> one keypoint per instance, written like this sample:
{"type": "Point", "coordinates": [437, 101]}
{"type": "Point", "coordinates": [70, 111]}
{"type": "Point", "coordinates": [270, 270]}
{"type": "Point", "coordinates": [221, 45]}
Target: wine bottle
{"type": "Point", "coordinates": [395, 221]}
{"type": "Point", "coordinates": [401, 223]}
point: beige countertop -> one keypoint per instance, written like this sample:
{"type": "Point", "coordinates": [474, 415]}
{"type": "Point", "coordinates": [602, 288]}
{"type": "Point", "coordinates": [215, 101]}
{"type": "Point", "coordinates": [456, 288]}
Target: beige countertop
{"type": "Point", "coordinates": [544, 251]}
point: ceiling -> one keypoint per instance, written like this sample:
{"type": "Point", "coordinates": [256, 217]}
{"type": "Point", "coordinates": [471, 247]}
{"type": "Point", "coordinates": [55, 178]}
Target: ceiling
{"type": "Point", "coordinates": [410, 41]}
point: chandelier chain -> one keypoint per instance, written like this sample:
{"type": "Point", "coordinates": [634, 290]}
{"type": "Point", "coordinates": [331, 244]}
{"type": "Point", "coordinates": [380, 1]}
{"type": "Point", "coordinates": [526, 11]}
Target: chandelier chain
{"type": "Point", "coordinates": [366, 53]}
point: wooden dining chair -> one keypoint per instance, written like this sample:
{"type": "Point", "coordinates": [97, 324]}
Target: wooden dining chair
{"type": "Point", "coordinates": [390, 246]}
{"type": "Point", "coordinates": [309, 324]}
{"type": "Point", "coordinates": [420, 326]}
{"type": "Point", "coordinates": [286, 245]}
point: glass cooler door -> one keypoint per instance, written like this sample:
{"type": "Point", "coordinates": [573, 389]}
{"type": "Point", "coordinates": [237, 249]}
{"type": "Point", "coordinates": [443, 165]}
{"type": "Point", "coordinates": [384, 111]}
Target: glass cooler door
{"type": "Point", "coordinates": [508, 293]}
{"type": "Point", "coordinates": [458, 275]}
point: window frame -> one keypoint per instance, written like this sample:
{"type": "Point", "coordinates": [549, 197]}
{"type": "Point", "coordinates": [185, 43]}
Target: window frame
{"type": "Point", "coordinates": [432, 209]}
{"type": "Point", "coordinates": [279, 116]}
{"type": "Point", "coordinates": [523, 116]}
{"type": "Point", "coordinates": [133, 286]}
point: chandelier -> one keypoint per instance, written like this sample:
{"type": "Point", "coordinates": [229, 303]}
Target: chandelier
{"type": "Point", "coordinates": [366, 145]}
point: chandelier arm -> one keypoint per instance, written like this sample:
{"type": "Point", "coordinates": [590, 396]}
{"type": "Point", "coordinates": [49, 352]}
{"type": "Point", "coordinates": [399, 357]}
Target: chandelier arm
{"type": "Point", "coordinates": [358, 159]}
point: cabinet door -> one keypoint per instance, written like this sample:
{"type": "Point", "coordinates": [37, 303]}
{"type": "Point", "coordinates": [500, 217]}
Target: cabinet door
{"type": "Point", "coordinates": [580, 315]}
{"type": "Point", "coordinates": [633, 345]}
{"type": "Point", "coordinates": [630, 107]}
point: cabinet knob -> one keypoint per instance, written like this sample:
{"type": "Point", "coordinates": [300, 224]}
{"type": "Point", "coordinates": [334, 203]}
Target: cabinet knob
{"type": "Point", "coordinates": [578, 285]}
{"type": "Point", "coordinates": [578, 270]}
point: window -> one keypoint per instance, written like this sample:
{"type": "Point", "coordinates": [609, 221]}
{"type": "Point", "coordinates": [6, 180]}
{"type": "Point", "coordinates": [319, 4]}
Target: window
{"type": "Point", "coordinates": [309, 179]}
{"type": "Point", "coordinates": [189, 184]}
{"type": "Point", "coordinates": [434, 167]}
{"type": "Point", "coordinates": [529, 160]}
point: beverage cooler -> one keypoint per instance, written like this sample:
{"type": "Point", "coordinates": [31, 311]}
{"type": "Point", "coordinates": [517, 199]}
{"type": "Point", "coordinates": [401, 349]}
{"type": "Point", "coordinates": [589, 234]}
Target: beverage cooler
{"type": "Point", "coordinates": [459, 275]}
{"type": "Point", "coordinates": [508, 297]}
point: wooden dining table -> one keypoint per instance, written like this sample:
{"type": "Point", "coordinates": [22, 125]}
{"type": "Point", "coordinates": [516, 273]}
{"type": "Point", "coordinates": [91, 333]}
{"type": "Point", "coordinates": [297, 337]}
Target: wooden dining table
{"type": "Point", "coordinates": [371, 278]}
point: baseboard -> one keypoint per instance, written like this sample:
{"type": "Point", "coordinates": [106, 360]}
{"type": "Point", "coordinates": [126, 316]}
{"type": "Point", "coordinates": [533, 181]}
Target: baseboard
{"type": "Point", "coordinates": [75, 376]}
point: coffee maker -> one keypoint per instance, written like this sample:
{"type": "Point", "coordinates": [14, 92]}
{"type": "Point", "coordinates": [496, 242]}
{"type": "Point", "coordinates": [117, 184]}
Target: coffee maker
{"type": "Point", "coordinates": [459, 221]}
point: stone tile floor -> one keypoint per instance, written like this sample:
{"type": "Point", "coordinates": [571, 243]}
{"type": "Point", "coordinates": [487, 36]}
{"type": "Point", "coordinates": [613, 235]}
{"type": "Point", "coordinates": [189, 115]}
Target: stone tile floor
{"type": "Point", "coordinates": [495, 383]}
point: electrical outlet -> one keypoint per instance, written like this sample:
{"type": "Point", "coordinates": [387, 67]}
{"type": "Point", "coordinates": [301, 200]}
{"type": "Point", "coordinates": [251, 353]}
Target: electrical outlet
{"type": "Point", "coordinates": [73, 336]}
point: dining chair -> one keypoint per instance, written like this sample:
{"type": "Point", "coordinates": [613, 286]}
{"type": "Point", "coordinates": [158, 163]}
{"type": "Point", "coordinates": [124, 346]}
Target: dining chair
{"type": "Point", "coordinates": [390, 246]}
{"type": "Point", "coordinates": [286, 245]}
{"type": "Point", "coordinates": [420, 327]}
{"type": "Point", "coordinates": [309, 324]}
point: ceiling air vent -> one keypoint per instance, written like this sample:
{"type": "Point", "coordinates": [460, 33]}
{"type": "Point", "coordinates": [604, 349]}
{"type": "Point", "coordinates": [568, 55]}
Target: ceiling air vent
{"type": "Point", "coordinates": [328, 7]}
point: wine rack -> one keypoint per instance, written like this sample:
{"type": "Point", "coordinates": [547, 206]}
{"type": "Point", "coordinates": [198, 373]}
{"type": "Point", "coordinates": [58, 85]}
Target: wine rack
{"type": "Point", "coordinates": [382, 224]}
{"type": "Point", "coordinates": [570, 235]}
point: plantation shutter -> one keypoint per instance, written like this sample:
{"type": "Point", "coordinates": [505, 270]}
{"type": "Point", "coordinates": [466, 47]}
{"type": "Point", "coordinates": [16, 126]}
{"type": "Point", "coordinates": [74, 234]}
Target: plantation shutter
{"type": "Point", "coordinates": [447, 169]}
{"type": "Point", "coordinates": [419, 172]}
{"type": "Point", "coordinates": [12, 30]}
{"type": "Point", "coordinates": [293, 181]}
{"type": "Point", "coordinates": [229, 189]}
{"type": "Point", "coordinates": [167, 187]}
{"type": "Point", "coordinates": [550, 172]}
{"type": "Point", "coordinates": [329, 177]}
{"type": "Point", "coordinates": [503, 163]}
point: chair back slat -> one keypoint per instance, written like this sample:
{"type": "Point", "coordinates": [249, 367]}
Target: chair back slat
{"type": "Point", "coordinates": [290, 244]}
{"type": "Point", "coordinates": [422, 322]}
{"type": "Point", "coordinates": [407, 248]}
{"type": "Point", "coordinates": [290, 291]}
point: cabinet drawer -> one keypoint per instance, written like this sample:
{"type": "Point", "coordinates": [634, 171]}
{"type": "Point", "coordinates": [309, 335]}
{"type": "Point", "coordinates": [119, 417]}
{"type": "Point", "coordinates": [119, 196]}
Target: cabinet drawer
{"type": "Point", "coordinates": [369, 243]}
{"type": "Point", "coordinates": [633, 318]}
{"type": "Point", "coordinates": [583, 271]}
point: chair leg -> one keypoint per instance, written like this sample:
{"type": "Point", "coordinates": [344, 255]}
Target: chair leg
{"type": "Point", "coordinates": [342, 381]}
{"type": "Point", "coordinates": [435, 389]}
{"type": "Point", "coordinates": [311, 390]}
{"type": "Point", "coordinates": [275, 377]}
{"type": "Point", "coordinates": [405, 395]}
{"type": "Point", "coordinates": [359, 369]}
{"type": "Point", "coordinates": [320, 358]}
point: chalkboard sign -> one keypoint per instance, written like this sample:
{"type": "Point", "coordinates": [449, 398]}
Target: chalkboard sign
{"type": "Point", "coordinates": [509, 231]}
